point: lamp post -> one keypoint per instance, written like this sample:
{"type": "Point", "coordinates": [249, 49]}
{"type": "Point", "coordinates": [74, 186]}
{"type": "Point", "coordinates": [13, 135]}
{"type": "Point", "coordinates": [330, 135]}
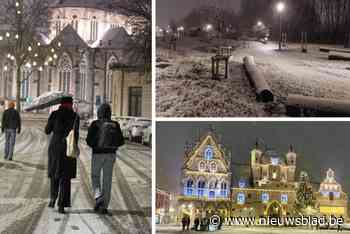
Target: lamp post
{"type": "Point", "coordinates": [280, 8]}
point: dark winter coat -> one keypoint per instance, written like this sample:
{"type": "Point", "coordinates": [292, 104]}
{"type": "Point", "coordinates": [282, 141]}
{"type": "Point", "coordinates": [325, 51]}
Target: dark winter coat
{"type": "Point", "coordinates": [60, 123]}
{"type": "Point", "coordinates": [11, 120]}
{"type": "Point", "coordinates": [104, 113]}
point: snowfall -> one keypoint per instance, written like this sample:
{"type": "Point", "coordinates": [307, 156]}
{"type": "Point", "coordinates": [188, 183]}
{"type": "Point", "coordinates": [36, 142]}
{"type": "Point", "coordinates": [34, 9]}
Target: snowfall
{"type": "Point", "coordinates": [185, 87]}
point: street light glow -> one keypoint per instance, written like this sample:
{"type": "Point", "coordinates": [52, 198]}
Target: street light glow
{"type": "Point", "coordinates": [280, 7]}
{"type": "Point", "coordinates": [1, 38]}
{"type": "Point", "coordinates": [209, 27]}
{"type": "Point", "coordinates": [5, 68]}
{"type": "Point", "coordinates": [29, 48]}
{"type": "Point", "coordinates": [7, 34]}
{"type": "Point", "coordinates": [260, 23]}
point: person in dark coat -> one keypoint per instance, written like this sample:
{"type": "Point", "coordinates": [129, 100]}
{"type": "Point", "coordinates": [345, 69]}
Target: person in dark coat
{"type": "Point", "coordinates": [11, 121]}
{"type": "Point", "coordinates": [61, 169]}
{"type": "Point", "coordinates": [104, 137]}
{"type": "Point", "coordinates": [196, 223]}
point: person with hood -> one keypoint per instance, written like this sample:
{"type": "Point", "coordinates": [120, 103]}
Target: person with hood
{"type": "Point", "coordinates": [104, 137]}
{"type": "Point", "coordinates": [11, 121]}
{"type": "Point", "coordinates": [61, 168]}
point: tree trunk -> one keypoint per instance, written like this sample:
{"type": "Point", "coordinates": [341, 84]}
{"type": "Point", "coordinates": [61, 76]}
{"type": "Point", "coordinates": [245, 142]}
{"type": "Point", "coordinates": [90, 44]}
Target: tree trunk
{"type": "Point", "coordinates": [18, 88]}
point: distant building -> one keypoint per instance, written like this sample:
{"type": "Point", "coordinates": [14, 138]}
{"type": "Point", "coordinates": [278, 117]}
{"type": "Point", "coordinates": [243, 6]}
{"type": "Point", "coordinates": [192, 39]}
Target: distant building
{"type": "Point", "coordinates": [96, 62]}
{"type": "Point", "coordinates": [331, 198]}
{"type": "Point", "coordinates": [163, 201]}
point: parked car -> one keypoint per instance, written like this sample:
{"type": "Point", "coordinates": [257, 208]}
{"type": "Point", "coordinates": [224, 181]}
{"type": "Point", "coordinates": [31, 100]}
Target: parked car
{"type": "Point", "coordinates": [147, 136]}
{"type": "Point", "coordinates": [124, 124]}
{"type": "Point", "coordinates": [136, 127]}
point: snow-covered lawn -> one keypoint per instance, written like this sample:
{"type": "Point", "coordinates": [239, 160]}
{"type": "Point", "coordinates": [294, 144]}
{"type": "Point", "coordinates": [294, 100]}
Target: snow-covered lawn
{"type": "Point", "coordinates": [185, 88]}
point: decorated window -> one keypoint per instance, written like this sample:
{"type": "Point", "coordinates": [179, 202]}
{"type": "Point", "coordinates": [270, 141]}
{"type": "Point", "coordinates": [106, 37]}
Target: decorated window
{"type": "Point", "coordinates": [208, 153]}
{"type": "Point", "coordinates": [242, 183]}
{"type": "Point", "coordinates": [201, 166]}
{"type": "Point", "coordinates": [188, 190]}
{"type": "Point", "coordinates": [201, 188]}
{"type": "Point", "coordinates": [213, 167]}
{"type": "Point", "coordinates": [274, 161]}
{"type": "Point", "coordinates": [284, 198]}
{"type": "Point", "coordinates": [265, 197]}
{"type": "Point", "coordinates": [223, 191]}
{"type": "Point", "coordinates": [240, 198]}
{"type": "Point", "coordinates": [65, 73]}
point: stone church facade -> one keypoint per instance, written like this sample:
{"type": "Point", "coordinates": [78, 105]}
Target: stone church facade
{"type": "Point", "coordinates": [92, 62]}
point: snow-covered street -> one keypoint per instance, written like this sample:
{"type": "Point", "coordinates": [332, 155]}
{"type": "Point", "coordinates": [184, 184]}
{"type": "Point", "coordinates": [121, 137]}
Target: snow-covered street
{"type": "Point", "coordinates": [185, 88]}
{"type": "Point", "coordinates": [24, 190]}
{"type": "Point", "coordinates": [172, 229]}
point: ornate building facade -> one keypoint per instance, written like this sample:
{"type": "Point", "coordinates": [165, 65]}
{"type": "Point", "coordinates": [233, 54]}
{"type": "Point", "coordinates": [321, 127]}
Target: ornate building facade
{"type": "Point", "coordinates": [206, 178]}
{"type": "Point", "coordinates": [270, 189]}
{"type": "Point", "coordinates": [94, 62]}
{"type": "Point", "coordinates": [331, 198]}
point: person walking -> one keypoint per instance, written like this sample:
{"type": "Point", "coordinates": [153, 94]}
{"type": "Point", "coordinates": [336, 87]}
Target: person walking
{"type": "Point", "coordinates": [104, 137]}
{"type": "Point", "coordinates": [11, 121]}
{"type": "Point", "coordinates": [184, 223]}
{"type": "Point", "coordinates": [61, 168]}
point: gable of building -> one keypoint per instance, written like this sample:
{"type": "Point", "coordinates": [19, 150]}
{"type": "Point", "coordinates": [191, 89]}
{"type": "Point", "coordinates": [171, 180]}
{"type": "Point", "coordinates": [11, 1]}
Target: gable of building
{"type": "Point", "coordinates": [198, 155]}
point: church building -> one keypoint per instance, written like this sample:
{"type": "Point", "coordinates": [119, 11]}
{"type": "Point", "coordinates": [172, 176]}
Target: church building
{"type": "Point", "coordinates": [94, 61]}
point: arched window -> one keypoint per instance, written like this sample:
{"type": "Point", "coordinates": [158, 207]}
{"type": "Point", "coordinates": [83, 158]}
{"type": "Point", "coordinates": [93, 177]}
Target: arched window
{"type": "Point", "coordinates": [8, 79]}
{"type": "Point", "coordinates": [109, 79]}
{"type": "Point", "coordinates": [208, 153]}
{"type": "Point", "coordinates": [201, 188]}
{"type": "Point", "coordinates": [240, 198]}
{"type": "Point", "coordinates": [75, 22]}
{"type": "Point", "coordinates": [201, 166]}
{"type": "Point", "coordinates": [213, 167]}
{"type": "Point", "coordinates": [58, 25]}
{"type": "Point", "coordinates": [212, 188]}
{"type": "Point", "coordinates": [26, 74]}
{"type": "Point", "coordinates": [93, 29]}
{"type": "Point", "coordinates": [188, 190]}
{"type": "Point", "coordinates": [65, 73]}
{"type": "Point", "coordinates": [223, 189]}
{"type": "Point", "coordinates": [82, 79]}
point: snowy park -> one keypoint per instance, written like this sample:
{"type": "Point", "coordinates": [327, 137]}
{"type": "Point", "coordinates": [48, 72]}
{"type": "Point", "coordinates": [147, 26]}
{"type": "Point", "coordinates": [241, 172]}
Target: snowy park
{"type": "Point", "coordinates": [185, 87]}
{"type": "Point", "coordinates": [25, 187]}
{"type": "Point", "coordinates": [297, 54]}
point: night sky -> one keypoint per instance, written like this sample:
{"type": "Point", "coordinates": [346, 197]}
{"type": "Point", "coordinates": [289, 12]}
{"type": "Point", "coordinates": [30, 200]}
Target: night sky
{"type": "Point", "coordinates": [167, 10]}
{"type": "Point", "coordinates": [319, 146]}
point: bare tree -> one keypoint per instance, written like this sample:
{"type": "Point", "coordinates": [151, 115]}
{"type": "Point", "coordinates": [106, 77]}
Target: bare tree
{"type": "Point", "coordinates": [23, 21]}
{"type": "Point", "coordinates": [140, 18]}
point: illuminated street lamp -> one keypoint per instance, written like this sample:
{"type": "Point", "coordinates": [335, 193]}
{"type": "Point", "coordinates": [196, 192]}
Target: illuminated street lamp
{"type": "Point", "coordinates": [208, 27]}
{"type": "Point", "coordinates": [259, 23]}
{"type": "Point", "coordinates": [280, 9]}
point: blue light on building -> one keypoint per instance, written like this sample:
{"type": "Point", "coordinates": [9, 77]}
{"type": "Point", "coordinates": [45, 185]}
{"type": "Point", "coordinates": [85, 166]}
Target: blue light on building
{"type": "Point", "coordinates": [284, 198]}
{"type": "Point", "coordinates": [240, 198]}
{"type": "Point", "coordinates": [265, 197]}
{"type": "Point", "coordinates": [274, 161]}
{"type": "Point", "coordinates": [242, 183]}
{"type": "Point", "coordinates": [208, 153]}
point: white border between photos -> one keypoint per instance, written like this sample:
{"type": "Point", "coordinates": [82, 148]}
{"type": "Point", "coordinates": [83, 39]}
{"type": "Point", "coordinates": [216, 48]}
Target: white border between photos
{"type": "Point", "coordinates": [153, 66]}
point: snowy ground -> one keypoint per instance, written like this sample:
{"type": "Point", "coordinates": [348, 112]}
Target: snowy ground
{"type": "Point", "coordinates": [24, 190]}
{"type": "Point", "coordinates": [171, 229]}
{"type": "Point", "coordinates": [185, 88]}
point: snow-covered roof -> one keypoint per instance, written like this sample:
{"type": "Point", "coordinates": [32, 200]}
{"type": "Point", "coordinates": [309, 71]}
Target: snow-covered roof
{"type": "Point", "coordinates": [69, 38]}
{"type": "Point", "coordinates": [114, 38]}
{"type": "Point", "coordinates": [97, 4]}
